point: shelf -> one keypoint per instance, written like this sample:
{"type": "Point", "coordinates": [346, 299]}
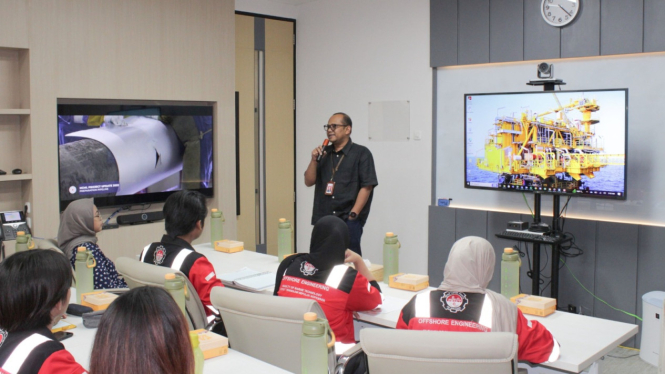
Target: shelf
{"type": "Point", "coordinates": [14, 112]}
{"type": "Point", "coordinates": [15, 177]}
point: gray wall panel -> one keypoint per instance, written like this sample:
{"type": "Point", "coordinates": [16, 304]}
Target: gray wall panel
{"type": "Point", "coordinates": [506, 30]}
{"type": "Point", "coordinates": [496, 223]}
{"type": "Point", "coordinates": [441, 239]}
{"type": "Point", "coordinates": [616, 271]}
{"type": "Point", "coordinates": [471, 223]}
{"type": "Point", "coordinates": [650, 260]}
{"type": "Point", "coordinates": [571, 292]}
{"type": "Point", "coordinates": [443, 32]}
{"type": "Point", "coordinates": [654, 27]}
{"type": "Point", "coordinates": [541, 41]}
{"type": "Point", "coordinates": [474, 32]}
{"type": "Point", "coordinates": [582, 36]}
{"type": "Point", "coordinates": [621, 26]}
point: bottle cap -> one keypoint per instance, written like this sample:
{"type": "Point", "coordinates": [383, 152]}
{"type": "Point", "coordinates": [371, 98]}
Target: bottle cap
{"type": "Point", "coordinates": [282, 220]}
{"type": "Point", "coordinates": [310, 316]}
{"type": "Point", "coordinates": [390, 234]}
{"type": "Point", "coordinates": [213, 209]}
{"type": "Point", "coordinates": [508, 250]}
{"type": "Point", "coordinates": [194, 337]}
{"type": "Point", "coordinates": [169, 276]}
{"type": "Point", "coordinates": [81, 249]}
{"type": "Point", "coordinates": [20, 233]}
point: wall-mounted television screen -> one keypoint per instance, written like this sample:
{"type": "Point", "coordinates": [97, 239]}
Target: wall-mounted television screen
{"type": "Point", "coordinates": [559, 142]}
{"type": "Point", "coordinates": [125, 153]}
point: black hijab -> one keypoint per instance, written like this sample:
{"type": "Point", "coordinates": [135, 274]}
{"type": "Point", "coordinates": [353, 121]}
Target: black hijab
{"type": "Point", "coordinates": [330, 239]}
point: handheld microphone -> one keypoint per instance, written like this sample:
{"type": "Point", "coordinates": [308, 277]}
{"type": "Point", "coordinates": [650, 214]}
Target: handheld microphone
{"type": "Point", "coordinates": [325, 143]}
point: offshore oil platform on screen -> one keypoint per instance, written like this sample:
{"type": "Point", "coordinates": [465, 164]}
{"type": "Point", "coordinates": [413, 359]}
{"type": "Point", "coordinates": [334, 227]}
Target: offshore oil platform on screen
{"type": "Point", "coordinates": [547, 151]}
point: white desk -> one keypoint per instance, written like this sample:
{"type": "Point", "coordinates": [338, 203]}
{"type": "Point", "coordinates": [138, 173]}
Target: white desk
{"type": "Point", "coordinates": [584, 339]}
{"type": "Point", "coordinates": [80, 346]}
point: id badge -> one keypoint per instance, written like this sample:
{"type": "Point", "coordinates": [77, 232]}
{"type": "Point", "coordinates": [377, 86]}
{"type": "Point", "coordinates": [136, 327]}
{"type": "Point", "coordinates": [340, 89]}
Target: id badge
{"type": "Point", "coordinates": [330, 188]}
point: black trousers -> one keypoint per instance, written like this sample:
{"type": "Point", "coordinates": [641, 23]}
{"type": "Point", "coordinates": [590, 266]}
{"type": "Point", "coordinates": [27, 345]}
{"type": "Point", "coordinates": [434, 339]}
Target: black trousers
{"type": "Point", "coordinates": [356, 232]}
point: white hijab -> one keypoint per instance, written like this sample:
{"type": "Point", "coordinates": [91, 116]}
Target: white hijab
{"type": "Point", "coordinates": [470, 268]}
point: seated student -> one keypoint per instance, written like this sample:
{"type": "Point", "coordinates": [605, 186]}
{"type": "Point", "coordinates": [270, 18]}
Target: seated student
{"type": "Point", "coordinates": [463, 303]}
{"type": "Point", "coordinates": [322, 276]}
{"type": "Point", "coordinates": [35, 288]}
{"type": "Point", "coordinates": [142, 331]}
{"type": "Point", "coordinates": [79, 224]}
{"type": "Point", "coordinates": [184, 215]}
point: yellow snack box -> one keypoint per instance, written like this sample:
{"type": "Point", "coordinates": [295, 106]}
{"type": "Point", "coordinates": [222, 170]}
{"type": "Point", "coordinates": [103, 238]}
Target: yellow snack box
{"type": "Point", "coordinates": [409, 282]}
{"type": "Point", "coordinates": [98, 300]}
{"type": "Point", "coordinates": [534, 305]}
{"type": "Point", "coordinates": [375, 269]}
{"type": "Point", "coordinates": [229, 246]}
{"type": "Point", "coordinates": [212, 344]}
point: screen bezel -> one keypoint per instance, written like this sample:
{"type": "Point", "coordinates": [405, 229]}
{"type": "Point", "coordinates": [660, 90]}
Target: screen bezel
{"type": "Point", "coordinates": [625, 166]}
{"type": "Point", "coordinates": [97, 107]}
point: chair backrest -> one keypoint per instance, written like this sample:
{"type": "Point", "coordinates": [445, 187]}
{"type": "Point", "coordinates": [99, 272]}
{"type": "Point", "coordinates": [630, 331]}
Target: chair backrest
{"type": "Point", "coordinates": [265, 327]}
{"type": "Point", "coordinates": [139, 274]}
{"type": "Point", "coordinates": [410, 351]}
{"type": "Point", "coordinates": [661, 355]}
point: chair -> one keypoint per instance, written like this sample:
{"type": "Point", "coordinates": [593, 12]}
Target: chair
{"type": "Point", "coordinates": [139, 274]}
{"type": "Point", "coordinates": [407, 351]}
{"type": "Point", "coordinates": [266, 327]}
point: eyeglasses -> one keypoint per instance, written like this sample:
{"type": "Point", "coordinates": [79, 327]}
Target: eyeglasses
{"type": "Point", "coordinates": [332, 127]}
{"type": "Point", "coordinates": [97, 215]}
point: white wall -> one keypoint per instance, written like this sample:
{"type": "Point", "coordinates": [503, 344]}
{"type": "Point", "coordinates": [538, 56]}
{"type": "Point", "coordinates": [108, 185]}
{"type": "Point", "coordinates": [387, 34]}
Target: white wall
{"type": "Point", "coordinates": [349, 53]}
{"type": "Point", "coordinates": [267, 8]}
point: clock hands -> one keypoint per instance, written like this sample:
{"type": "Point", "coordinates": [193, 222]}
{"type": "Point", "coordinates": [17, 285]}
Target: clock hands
{"type": "Point", "coordinates": [562, 8]}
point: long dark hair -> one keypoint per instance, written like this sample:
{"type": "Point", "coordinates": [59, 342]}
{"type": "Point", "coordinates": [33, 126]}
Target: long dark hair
{"type": "Point", "coordinates": [142, 331]}
{"type": "Point", "coordinates": [31, 284]}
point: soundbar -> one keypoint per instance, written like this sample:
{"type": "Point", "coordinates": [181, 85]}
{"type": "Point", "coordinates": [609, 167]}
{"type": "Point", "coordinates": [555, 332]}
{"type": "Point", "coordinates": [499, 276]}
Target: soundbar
{"type": "Point", "coordinates": [134, 219]}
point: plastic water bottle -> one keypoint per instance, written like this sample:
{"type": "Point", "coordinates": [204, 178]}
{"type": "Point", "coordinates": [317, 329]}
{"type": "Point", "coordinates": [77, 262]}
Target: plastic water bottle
{"type": "Point", "coordinates": [314, 345]}
{"type": "Point", "coordinates": [391, 247]}
{"type": "Point", "coordinates": [21, 242]}
{"type": "Point", "coordinates": [85, 272]}
{"type": "Point", "coordinates": [284, 231]}
{"type": "Point", "coordinates": [176, 287]}
{"type": "Point", "coordinates": [510, 273]}
{"type": "Point", "coordinates": [198, 353]}
{"type": "Point", "coordinates": [216, 226]}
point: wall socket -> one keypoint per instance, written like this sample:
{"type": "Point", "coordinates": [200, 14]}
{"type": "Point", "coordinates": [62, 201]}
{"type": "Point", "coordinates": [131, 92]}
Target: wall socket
{"type": "Point", "coordinates": [572, 308]}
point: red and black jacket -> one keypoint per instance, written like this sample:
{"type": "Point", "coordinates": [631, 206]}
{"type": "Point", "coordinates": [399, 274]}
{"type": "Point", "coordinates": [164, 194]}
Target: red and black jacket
{"type": "Point", "coordinates": [35, 352]}
{"type": "Point", "coordinates": [440, 310]}
{"type": "Point", "coordinates": [179, 255]}
{"type": "Point", "coordinates": [340, 291]}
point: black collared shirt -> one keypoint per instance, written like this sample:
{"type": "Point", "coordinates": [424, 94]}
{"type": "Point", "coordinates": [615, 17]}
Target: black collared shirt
{"type": "Point", "coordinates": [355, 172]}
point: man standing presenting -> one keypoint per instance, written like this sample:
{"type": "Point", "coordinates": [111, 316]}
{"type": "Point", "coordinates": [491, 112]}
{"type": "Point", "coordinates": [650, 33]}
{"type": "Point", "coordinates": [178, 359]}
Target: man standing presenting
{"type": "Point", "coordinates": [344, 175]}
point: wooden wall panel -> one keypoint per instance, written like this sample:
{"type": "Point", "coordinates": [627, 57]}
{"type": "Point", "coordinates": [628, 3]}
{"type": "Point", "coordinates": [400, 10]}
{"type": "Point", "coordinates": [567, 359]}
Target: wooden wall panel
{"type": "Point", "coordinates": [443, 32]}
{"type": "Point", "coordinates": [506, 30]}
{"type": "Point", "coordinates": [582, 37]}
{"type": "Point", "coordinates": [473, 32]}
{"type": "Point", "coordinates": [621, 26]}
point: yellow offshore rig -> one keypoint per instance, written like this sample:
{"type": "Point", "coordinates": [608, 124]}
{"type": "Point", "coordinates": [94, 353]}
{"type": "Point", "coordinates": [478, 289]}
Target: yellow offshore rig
{"type": "Point", "coordinates": [547, 150]}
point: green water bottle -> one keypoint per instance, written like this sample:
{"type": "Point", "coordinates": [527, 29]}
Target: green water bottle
{"type": "Point", "coordinates": [216, 226]}
{"type": "Point", "coordinates": [198, 353]}
{"type": "Point", "coordinates": [391, 247]}
{"type": "Point", "coordinates": [314, 344]}
{"type": "Point", "coordinates": [510, 273]}
{"type": "Point", "coordinates": [85, 272]}
{"type": "Point", "coordinates": [176, 287]}
{"type": "Point", "coordinates": [284, 230]}
{"type": "Point", "coordinates": [21, 242]}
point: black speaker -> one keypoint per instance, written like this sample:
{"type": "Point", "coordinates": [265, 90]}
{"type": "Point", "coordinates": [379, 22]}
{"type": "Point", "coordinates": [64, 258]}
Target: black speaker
{"type": "Point", "coordinates": [133, 219]}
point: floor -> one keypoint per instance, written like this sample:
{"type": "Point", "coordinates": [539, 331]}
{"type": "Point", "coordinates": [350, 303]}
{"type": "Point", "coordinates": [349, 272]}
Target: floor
{"type": "Point", "coordinates": [625, 361]}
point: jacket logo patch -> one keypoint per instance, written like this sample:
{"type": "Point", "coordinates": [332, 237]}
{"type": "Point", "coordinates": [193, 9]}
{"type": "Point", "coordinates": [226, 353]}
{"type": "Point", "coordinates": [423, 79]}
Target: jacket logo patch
{"type": "Point", "coordinates": [160, 255]}
{"type": "Point", "coordinates": [454, 302]}
{"type": "Point", "coordinates": [308, 269]}
{"type": "Point", "coordinates": [3, 336]}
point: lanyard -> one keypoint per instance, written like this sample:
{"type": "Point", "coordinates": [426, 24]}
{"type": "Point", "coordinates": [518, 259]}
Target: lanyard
{"type": "Point", "coordinates": [334, 169]}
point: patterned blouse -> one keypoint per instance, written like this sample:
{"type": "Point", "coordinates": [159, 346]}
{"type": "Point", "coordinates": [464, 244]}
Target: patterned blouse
{"type": "Point", "coordinates": [105, 274]}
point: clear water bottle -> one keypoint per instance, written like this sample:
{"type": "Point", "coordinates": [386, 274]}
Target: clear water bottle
{"type": "Point", "coordinates": [21, 242]}
{"type": "Point", "coordinates": [510, 273]}
{"type": "Point", "coordinates": [391, 247]}
{"type": "Point", "coordinates": [284, 230]}
{"type": "Point", "coordinates": [175, 285]}
{"type": "Point", "coordinates": [314, 344]}
{"type": "Point", "coordinates": [216, 226]}
{"type": "Point", "coordinates": [85, 272]}
{"type": "Point", "coordinates": [198, 353]}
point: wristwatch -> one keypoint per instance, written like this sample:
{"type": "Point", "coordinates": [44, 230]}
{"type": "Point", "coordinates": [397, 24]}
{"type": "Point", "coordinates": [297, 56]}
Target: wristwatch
{"type": "Point", "coordinates": [353, 215]}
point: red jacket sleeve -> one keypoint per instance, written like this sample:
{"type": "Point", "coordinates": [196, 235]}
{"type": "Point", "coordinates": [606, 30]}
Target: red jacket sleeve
{"type": "Point", "coordinates": [61, 362]}
{"type": "Point", "coordinates": [400, 322]}
{"type": "Point", "coordinates": [536, 343]}
{"type": "Point", "coordinates": [203, 278]}
{"type": "Point", "coordinates": [363, 296]}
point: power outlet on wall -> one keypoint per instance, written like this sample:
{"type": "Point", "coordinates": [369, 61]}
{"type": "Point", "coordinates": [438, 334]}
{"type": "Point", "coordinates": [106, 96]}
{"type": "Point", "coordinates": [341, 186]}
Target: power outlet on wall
{"type": "Point", "coordinates": [572, 308]}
